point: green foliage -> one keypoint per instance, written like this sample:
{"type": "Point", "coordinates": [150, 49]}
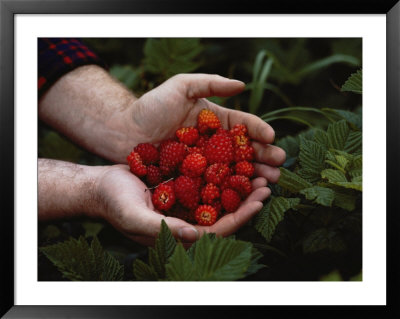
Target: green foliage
{"type": "Point", "coordinates": [169, 56]}
{"type": "Point", "coordinates": [126, 74]}
{"type": "Point", "coordinates": [273, 213]}
{"type": "Point", "coordinates": [209, 259]}
{"type": "Point", "coordinates": [77, 260]}
{"type": "Point", "coordinates": [353, 83]}
{"type": "Point", "coordinates": [327, 172]}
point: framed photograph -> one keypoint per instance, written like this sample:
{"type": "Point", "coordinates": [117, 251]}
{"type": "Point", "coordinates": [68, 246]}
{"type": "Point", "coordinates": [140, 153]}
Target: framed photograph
{"type": "Point", "coordinates": [324, 235]}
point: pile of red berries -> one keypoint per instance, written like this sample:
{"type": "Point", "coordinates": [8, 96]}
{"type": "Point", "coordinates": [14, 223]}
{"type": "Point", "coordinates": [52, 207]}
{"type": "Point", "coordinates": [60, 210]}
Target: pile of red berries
{"type": "Point", "coordinates": [201, 174]}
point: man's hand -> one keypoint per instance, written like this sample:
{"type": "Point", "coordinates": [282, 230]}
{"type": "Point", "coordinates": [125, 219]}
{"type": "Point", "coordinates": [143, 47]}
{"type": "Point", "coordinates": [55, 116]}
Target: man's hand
{"type": "Point", "coordinates": [177, 102]}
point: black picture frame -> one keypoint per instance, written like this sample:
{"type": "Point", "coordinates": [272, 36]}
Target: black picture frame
{"type": "Point", "coordinates": [8, 10]}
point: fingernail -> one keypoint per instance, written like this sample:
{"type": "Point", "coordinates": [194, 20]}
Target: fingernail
{"type": "Point", "coordinates": [188, 234]}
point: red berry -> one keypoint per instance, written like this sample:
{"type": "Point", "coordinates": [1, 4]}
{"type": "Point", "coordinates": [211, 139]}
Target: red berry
{"type": "Point", "coordinates": [207, 121]}
{"type": "Point", "coordinates": [216, 173]}
{"type": "Point", "coordinates": [178, 211]}
{"type": "Point", "coordinates": [165, 143]}
{"type": "Point", "coordinates": [171, 155]}
{"type": "Point", "coordinates": [187, 135]}
{"type": "Point", "coordinates": [217, 206]}
{"type": "Point", "coordinates": [219, 149]}
{"type": "Point", "coordinates": [202, 141]}
{"type": "Point", "coordinates": [209, 193]}
{"type": "Point", "coordinates": [230, 200]}
{"type": "Point", "coordinates": [195, 149]}
{"type": "Point", "coordinates": [244, 153]}
{"type": "Point", "coordinates": [241, 184]}
{"type": "Point", "coordinates": [239, 129]}
{"type": "Point", "coordinates": [187, 192]}
{"type": "Point", "coordinates": [148, 153]}
{"type": "Point", "coordinates": [244, 168]}
{"type": "Point", "coordinates": [153, 176]}
{"type": "Point", "coordinates": [136, 165]}
{"type": "Point", "coordinates": [194, 165]}
{"type": "Point", "coordinates": [163, 197]}
{"type": "Point", "coordinates": [239, 140]}
{"type": "Point", "coordinates": [206, 215]}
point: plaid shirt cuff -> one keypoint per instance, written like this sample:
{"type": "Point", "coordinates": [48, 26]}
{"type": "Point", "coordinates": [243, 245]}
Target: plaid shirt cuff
{"type": "Point", "coordinates": [59, 56]}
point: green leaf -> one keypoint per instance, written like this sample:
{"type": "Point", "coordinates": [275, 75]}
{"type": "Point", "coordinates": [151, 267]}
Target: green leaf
{"type": "Point", "coordinates": [312, 160]}
{"type": "Point", "coordinates": [92, 229]}
{"type": "Point", "coordinates": [321, 137]}
{"type": "Point", "coordinates": [76, 260]}
{"type": "Point", "coordinates": [325, 62]}
{"type": "Point", "coordinates": [272, 214]}
{"type": "Point", "coordinates": [170, 56]}
{"type": "Point", "coordinates": [353, 83]}
{"type": "Point", "coordinates": [333, 175]}
{"type": "Point", "coordinates": [344, 199]}
{"type": "Point", "coordinates": [180, 267]}
{"type": "Point", "coordinates": [332, 276]}
{"type": "Point", "coordinates": [223, 259]}
{"type": "Point", "coordinates": [320, 195]}
{"type": "Point", "coordinates": [291, 181]}
{"type": "Point", "coordinates": [352, 118]}
{"type": "Point", "coordinates": [143, 271]}
{"type": "Point", "coordinates": [353, 143]}
{"type": "Point", "coordinates": [338, 133]}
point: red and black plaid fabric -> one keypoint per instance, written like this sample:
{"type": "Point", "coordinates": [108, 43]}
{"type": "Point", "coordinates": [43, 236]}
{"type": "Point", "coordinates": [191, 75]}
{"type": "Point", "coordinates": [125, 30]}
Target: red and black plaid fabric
{"type": "Point", "coordinates": [59, 56]}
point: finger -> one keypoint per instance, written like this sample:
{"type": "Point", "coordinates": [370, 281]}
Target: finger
{"type": "Point", "coordinates": [260, 194]}
{"type": "Point", "coordinates": [206, 85]}
{"type": "Point", "coordinates": [269, 154]}
{"type": "Point", "coordinates": [257, 128]}
{"type": "Point", "coordinates": [258, 182]}
{"type": "Point", "coordinates": [230, 223]}
{"type": "Point", "coordinates": [272, 174]}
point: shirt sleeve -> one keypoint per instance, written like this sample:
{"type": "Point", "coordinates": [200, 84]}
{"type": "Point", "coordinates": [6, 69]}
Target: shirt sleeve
{"type": "Point", "coordinates": [58, 56]}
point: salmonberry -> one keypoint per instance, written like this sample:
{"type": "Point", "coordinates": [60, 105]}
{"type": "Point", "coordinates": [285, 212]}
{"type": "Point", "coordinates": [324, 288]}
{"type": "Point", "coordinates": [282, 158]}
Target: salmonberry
{"type": "Point", "coordinates": [194, 165]}
{"type": "Point", "coordinates": [207, 121]}
{"type": "Point", "coordinates": [241, 184]}
{"type": "Point", "coordinates": [209, 193]}
{"type": "Point", "coordinates": [163, 197]}
{"type": "Point", "coordinates": [216, 173]}
{"type": "Point", "coordinates": [206, 215]}
{"type": "Point", "coordinates": [239, 129]}
{"type": "Point", "coordinates": [219, 149]}
{"type": "Point", "coordinates": [187, 135]}
{"type": "Point", "coordinates": [230, 200]}
{"type": "Point", "coordinates": [244, 153]}
{"type": "Point", "coordinates": [153, 176]}
{"type": "Point", "coordinates": [244, 168]}
{"type": "Point", "coordinates": [136, 164]}
{"type": "Point", "coordinates": [187, 191]}
{"type": "Point", "coordinates": [148, 153]}
{"type": "Point", "coordinates": [171, 155]}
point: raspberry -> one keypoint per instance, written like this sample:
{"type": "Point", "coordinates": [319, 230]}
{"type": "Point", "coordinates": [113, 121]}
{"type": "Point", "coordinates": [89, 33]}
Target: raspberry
{"type": "Point", "coordinates": [239, 140]}
{"type": "Point", "coordinates": [163, 197]}
{"type": "Point", "coordinates": [171, 155]}
{"type": "Point", "coordinates": [219, 149]}
{"type": "Point", "coordinates": [136, 165]}
{"type": "Point", "coordinates": [202, 141]}
{"type": "Point", "coordinates": [230, 200]}
{"type": "Point", "coordinates": [195, 149]}
{"type": "Point", "coordinates": [148, 153]}
{"type": "Point", "coordinates": [207, 121]}
{"type": "Point", "coordinates": [244, 153]}
{"type": "Point", "coordinates": [187, 192]}
{"type": "Point", "coordinates": [241, 184]}
{"type": "Point", "coordinates": [244, 168]}
{"type": "Point", "coordinates": [188, 135]}
{"type": "Point", "coordinates": [217, 206]}
{"type": "Point", "coordinates": [153, 176]}
{"type": "Point", "coordinates": [194, 165]}
{"type": "Point", "coordinates": [206, 215]}
{"type": "Point", "coordinates": [209, 193]}
{"type": "Point", "coordinates": [165, 143]}
{"type": "Point", "coordinates": [178, 211]}
{"type": "Point", "coordinates": [239, 129]}
{"type": "Point", "coordinates": [216, 173]}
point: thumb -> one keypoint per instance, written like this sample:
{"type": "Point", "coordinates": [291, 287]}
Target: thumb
{"type": "Point", "coordinates": [206, 85]}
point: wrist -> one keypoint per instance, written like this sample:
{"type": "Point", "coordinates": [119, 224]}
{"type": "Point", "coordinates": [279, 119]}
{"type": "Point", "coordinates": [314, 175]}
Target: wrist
{"type": "Point", "coordinates": [67, 190]}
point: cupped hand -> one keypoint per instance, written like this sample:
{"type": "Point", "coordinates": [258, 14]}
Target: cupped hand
{"type": "Point", "coordinates": [175, 104]}
{"type": "Point", "coordinates": [125, 202]}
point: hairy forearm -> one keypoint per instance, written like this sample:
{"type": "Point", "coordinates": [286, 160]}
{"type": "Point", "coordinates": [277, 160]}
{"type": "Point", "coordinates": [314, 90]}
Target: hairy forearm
{"type": "Point", "coordinates": [67, 189]}
{"type": "Point", "coordinates": [92, 109]}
